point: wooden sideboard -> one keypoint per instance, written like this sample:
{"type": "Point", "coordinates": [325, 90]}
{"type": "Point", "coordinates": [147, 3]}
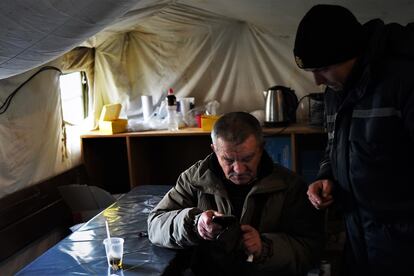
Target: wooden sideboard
{"type": "Point", "coordinates": [122, 161]}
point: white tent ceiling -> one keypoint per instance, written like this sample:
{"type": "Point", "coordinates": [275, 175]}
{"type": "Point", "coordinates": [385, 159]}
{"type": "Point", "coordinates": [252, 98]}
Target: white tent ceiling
{"type": "Point", "coordinates": [35, 32]}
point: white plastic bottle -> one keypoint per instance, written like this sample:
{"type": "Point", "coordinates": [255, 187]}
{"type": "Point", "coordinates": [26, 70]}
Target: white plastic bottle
{"type": "Point", "coordinates": [172, 111]}
{"type": "Point", "coordinates": [325, 268]}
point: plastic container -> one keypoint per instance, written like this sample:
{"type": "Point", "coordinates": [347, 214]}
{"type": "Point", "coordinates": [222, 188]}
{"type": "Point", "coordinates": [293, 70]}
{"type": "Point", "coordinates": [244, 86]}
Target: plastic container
{"type": "Point", "coordinates": [208, 121]}
{"type": "Point", "coordinates": [198, 120]}
{"type": "Point", "coordinates": [172, 118]}
{"type": "Point", "coordinates": [316, 109]}
{"type": "Point", "coordinates": [325, 268]}
{"type": "Point", "coordinates": [172, 111]}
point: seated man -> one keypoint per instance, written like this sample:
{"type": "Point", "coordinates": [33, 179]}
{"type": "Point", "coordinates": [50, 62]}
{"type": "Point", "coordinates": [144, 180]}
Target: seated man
{"type": "Point", "coordinates": [279, 232]}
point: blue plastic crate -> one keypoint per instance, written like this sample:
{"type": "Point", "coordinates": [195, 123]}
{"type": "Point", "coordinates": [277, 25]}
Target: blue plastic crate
{"type": "Point", "coordinates": [280, 150]}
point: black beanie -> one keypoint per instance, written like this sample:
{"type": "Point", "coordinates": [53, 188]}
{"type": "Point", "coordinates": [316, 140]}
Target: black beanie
{"type": "Point", "coordinates": [327, 35]}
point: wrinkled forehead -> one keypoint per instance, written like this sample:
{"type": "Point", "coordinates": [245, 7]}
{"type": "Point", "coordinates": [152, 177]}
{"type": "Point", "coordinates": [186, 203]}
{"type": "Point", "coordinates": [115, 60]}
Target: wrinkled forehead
{"type": "Point", "coordinates": [247, 146]}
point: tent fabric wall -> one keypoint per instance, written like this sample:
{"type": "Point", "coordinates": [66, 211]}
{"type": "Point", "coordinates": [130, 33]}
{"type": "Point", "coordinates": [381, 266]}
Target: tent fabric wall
{"type": "Point", "coordinates": [35, 144]}
{"type": "Point", "coordinates": [199, 54]}
{"type": "Point", "coordinates": [31, 144]}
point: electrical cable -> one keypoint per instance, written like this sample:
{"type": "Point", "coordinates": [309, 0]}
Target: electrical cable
{"type": "Point", "coordinates": [302, 98]}
{"type": "Point", "coordinates": [297, 106]}
{"type": "Point", "coordinates": [6, 103]}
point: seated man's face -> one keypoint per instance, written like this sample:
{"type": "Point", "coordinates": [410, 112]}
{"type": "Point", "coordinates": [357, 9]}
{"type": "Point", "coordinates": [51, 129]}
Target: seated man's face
{"type": "Point", "coordinates": [239, 162]}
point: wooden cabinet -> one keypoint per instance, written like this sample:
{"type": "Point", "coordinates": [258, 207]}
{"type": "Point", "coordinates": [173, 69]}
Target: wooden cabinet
{"type": "Point", "coordinates": [119, 162]}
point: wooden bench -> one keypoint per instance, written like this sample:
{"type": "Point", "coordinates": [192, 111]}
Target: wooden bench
{"type": "Point", "coordinates": [31, 213]}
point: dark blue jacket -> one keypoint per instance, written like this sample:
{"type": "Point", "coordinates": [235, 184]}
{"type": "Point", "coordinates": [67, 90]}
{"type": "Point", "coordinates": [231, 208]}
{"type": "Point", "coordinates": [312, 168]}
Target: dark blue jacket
{"type": "Point", "coordinates": [370, 152]}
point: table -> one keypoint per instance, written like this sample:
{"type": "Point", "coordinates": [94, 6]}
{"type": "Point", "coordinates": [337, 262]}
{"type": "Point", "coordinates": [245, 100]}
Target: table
{"type": "Point", "coordinates": [83, 253]}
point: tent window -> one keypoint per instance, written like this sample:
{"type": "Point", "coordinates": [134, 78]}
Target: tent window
{"type": "Point", "coordinates": [74, 94]}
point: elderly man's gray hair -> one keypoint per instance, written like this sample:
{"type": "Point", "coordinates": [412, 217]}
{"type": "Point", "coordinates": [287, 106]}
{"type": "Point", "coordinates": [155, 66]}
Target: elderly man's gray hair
{"type": "Point", "coordinates": [236, 127]}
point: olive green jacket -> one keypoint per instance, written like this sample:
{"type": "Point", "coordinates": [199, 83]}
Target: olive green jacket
{"type": "Point", "coordinates": [293, 227]}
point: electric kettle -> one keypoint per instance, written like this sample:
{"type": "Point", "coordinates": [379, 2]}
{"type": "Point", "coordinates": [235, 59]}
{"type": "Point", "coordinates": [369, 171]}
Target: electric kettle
{"type": "Point", "coordinates": [280, 106]}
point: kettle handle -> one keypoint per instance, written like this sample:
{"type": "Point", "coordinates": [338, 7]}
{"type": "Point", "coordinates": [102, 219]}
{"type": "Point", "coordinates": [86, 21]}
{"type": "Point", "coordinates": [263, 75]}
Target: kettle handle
{"type": "Point", "coordinates": [279, 87]}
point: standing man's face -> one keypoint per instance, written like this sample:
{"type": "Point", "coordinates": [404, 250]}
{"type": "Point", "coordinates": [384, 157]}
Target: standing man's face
{"type": "Point", "coordinates": [333, 76]}
{"type": "Point", "coordinates": [239, 162]}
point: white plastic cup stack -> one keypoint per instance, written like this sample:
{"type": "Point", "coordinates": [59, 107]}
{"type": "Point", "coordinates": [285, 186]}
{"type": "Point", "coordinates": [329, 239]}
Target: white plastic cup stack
{"type": "Point", "coordinates": [147, 106]}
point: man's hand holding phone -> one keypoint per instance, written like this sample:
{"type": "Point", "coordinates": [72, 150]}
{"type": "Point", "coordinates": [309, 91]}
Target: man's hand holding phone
{"type": "Point", "coordinates": [206, 228]}
{"type": "Point", "coordinates": [224, 220]}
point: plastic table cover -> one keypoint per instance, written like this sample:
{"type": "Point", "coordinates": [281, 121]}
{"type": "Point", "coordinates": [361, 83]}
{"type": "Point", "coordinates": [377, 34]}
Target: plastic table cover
{"type": "Point", "coordinates": [83, 252]}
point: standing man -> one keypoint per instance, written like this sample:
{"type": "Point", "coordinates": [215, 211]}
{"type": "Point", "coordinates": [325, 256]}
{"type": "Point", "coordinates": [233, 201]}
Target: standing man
{"type": "Point", "coordinates": [369, 100]}
{"type": "Point", "coordinates": [280, 233]}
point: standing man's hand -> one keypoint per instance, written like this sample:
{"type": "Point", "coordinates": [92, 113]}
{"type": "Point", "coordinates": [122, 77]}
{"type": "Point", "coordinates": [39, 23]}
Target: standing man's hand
{"type": "Point", "coordinates": [206, 228]}
{"type": "Point", "coordinates": [252, 241]}
{"type": "Point", "coordinates": [320, 193]}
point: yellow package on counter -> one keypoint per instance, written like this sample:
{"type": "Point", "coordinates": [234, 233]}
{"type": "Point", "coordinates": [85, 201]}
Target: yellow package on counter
{"type": "Point", "coordinates": [112, 127]}
{"type": "Point", "coordinates": [109, 122]}
{"type": "Point", "coordinates": [110, 112]}
{"type": "Point", "coordinates": [208, 121]}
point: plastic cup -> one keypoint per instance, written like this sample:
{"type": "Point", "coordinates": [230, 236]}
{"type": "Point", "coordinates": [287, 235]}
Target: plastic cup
{"type": "Point", "coordinates": [114, 249]}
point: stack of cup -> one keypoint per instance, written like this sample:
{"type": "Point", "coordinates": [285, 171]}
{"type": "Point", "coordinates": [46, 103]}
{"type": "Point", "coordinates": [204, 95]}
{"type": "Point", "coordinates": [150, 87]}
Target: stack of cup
{"type": "Point", "coordinates": [147, 106]}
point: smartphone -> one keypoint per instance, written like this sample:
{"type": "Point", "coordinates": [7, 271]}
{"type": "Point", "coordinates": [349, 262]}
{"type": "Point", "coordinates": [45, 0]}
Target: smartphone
{"type": "Point", "coordinates": [225, 221]}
